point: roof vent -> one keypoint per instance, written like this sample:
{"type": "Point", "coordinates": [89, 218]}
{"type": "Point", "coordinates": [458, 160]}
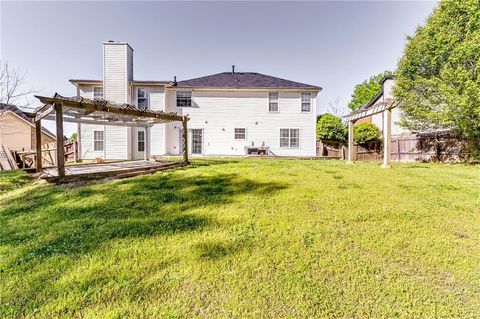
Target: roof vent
{"type": "Point", "coordinates": [174, 81]}
{"type": "Point", "coordinates": [233, 69]}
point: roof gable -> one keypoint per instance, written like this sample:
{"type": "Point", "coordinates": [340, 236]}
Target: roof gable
{"type": "Point", "coordinates": [246, 80]}
{"type": "Point", "coordinates": [23, 115]}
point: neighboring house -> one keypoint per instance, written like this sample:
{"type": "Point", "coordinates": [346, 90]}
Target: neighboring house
{"type": "Point", "coordinates": [230, 113]}
{"type": "Point", "coordinates": [17, 129]}
{"type": "Point", "coordinates": [384, 96]}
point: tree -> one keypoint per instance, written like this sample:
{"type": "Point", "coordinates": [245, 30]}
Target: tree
{"type": "Point", "coordinates": [365, 132]}
{"type": "Point", "coordinates": [11, 86]}
{"type": "Point", "coordinates": [365, 91]}
{"type": "Point", "coordinates": [330, 127]}
{"type": "Point", "coordinates": [438, 80]}
{"type": "Point", "coordinates": [73, 137]}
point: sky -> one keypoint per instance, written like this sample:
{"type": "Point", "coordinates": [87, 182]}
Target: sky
{"type": "Point", "coordinates": [331, 44]}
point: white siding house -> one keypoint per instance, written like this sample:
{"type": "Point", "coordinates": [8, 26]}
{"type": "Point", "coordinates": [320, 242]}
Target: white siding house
{"type": "Point", "coordinates": [231, 113]}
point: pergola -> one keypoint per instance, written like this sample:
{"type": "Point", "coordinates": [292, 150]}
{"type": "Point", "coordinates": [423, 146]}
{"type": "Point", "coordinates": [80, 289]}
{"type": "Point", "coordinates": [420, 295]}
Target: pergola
{"type": "Point", "coordinates": [380, 107]}
{"type": "Point", "coordinates": [100, 112]}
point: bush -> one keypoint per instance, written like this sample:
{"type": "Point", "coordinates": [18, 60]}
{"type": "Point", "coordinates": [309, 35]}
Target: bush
{"type": "Point", "coordinates": [365, 132]}
{"type": "Point", "coordinates": [330, 127]}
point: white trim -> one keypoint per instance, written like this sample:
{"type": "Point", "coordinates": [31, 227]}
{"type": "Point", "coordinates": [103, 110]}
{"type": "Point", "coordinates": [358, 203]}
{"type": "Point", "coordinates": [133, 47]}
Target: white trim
{"type": "Point", "coordinates": [104, 140]}
{"type": "Point", "coordinates": [289, 147]}
{"type": "Point", "coordinates": [184, 91]}
{"type": "Point", "coordinates": [147, 89]}
{"type": "Point", "coordinates": [301, 102]}
{"type": "Point", "coordinates": [278, 102]}
{"type": "Point", "coordinates": [93, 91]}
{"type": "Point", "coordinates": [239, 139]}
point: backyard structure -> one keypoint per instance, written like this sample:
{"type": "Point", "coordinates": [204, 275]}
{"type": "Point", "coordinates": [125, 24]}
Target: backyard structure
{"type": "Point", "coordinates": [99, 112]}
{"type": "Point", "coordinates": [383, 108]}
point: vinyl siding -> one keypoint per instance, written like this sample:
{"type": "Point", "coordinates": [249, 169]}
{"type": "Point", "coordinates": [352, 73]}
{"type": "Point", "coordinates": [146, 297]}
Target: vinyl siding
{"type": "Point", "coordinates": [115, 77]}
{"type": "Point", "coordinates": [218, 113]}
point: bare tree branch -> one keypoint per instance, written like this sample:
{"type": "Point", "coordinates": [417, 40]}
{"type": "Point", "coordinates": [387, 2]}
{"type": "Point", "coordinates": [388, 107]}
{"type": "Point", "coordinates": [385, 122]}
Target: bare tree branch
{"type": "Point", "coordinates": [11, 87]}
{"type": "Point", "coordinates": [335, 108]}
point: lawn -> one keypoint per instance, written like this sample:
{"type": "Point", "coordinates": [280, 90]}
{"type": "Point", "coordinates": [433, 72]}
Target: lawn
{"type": "Point", "coordinates": [245, 238]}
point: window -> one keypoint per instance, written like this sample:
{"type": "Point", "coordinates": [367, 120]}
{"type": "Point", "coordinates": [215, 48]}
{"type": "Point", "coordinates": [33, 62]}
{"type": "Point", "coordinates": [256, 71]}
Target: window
{"type": "Point", "coordinates": [306, 101]}
{"type": "Point", "coordinates": [184, 99]}
{"type": "Point", "coordinates": [273, 102]}
{"type": "Point", "coordinates": [142, 98]}
{"type": "Point", "coordinates": [98, 140]}
{"type": "Point", "coordinates": [240, 134]}
{"type": "Point", "coordinates": [290, 137]}
{"type": "Point", "coordinates": [97, 93]}
{"type": "Point", "coordinates": [141, 141]}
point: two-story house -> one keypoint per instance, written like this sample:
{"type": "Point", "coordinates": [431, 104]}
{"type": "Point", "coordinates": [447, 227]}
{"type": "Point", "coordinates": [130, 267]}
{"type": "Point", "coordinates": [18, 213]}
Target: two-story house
{"type": "Point", "coordinates": [230, 113]}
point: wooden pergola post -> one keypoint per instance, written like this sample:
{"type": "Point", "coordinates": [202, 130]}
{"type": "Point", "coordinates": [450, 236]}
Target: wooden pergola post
{"type": "Point", "coordinates": [38, 145]}
{"type": "Point", "coordinates": [60, 150]}
{"type": "Point", "coordinates": [350, 142]}
{"type": "Point", "coordinates": [146, 153]}
{"type": "Point", "coordinates": [185, 140]}
{"type": "Point", "coordinates": [387, 137]}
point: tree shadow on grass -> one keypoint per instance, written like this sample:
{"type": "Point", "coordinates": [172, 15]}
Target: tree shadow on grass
{"type": "Point", "coordinates": [49, 220]}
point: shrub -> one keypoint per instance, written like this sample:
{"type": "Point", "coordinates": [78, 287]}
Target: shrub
{"type": "Point", "coordinates": [330, 127]}
{"type": "Point", "coordinates": [365, 132]}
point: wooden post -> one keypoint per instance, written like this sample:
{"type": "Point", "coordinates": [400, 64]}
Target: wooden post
{"type": "Point", "coordinates": [60, 149]}
{"type": "Point", "coordinates": [387, 137]}
{"type": "Point", "coordinates": [185, 140]}
{"type": "Point", "coordinates": [38, 145]}
{"type": "Point", "coordinates": [79, 142]}
{"type": "Point", "coordinates": [350, 142]}
{"type": "Point", "coordinates": [146, 153]}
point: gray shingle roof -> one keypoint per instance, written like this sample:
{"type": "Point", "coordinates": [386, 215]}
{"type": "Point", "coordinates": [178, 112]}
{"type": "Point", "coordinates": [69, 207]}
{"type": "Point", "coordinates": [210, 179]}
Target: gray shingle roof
{"type": "Point", "coordinates": [24, 115]}
{"type": "Point", "coordinates": [244, 80]}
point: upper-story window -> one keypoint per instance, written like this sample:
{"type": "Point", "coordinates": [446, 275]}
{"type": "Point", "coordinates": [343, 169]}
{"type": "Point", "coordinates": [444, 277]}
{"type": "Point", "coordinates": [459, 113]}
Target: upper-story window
{"type": "Point", "coordinates": [142, 98]}
{"type": "Point", "coordinates": [98, 93]}
{"type": "Point", "coordinates": [306, 102]}
{"type": "Point", "coordinates": [273, 102]}
{"type": "Point", "coordinates": [184, 99]}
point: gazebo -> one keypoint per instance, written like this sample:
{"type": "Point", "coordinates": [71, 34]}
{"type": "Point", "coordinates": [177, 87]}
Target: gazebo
{"type": "Point", "coordinates": [82, 110]}
{"type": "Point", "coordinates": [377, 108]}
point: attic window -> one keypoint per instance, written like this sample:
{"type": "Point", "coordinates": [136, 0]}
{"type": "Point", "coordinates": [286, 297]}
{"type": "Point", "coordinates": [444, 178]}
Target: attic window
{"type": "Point", "coordinates": [184, 99]}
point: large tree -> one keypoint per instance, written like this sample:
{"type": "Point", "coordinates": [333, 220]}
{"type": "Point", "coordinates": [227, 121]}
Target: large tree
{"type": "Point", "coordinates": [438, 78]}
{"type": "Point", "coordinates": [365, 91]}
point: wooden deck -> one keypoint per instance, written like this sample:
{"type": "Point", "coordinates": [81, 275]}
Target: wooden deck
{"type": "Point", "coordinates": [114, 170]}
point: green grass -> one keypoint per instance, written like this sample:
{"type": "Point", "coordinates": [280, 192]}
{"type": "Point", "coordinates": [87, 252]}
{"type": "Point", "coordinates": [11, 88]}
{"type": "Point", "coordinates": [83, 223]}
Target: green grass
{"type": "Point", "coordinates": [246, 238]}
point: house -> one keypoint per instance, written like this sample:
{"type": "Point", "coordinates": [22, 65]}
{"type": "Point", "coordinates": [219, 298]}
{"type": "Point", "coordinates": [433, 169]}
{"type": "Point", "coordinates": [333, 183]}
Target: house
{"type": "Point", "coordinates": [400, 143]}
{"type": "Point", "coordinates": [382, 98]}
{"type": "Point", "coordinates": [17, 129]}
{"type": "Point", "coordinates": [231, 113]}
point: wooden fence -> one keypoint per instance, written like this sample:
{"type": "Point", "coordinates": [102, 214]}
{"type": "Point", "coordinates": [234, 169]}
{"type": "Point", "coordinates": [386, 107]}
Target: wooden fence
{"type": "Point", "coordinates": [444, 147]}
{"type": "Point", "coordinates": [27, 159]}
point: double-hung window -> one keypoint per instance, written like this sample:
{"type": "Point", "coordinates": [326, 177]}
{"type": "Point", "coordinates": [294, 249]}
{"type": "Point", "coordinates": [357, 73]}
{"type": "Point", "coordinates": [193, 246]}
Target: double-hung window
{"type": "Point", "coordinates": [306, 102]}
{"type": "Point", "coordinates": [98, 93]}
{"type": "Point", "coordinates": [240, 133]}
{"type": "Point", "coordinates": [273, 102]}
{"type": "Point", "coordinates": [141, 141]}
{"type": "Point", "coordinates": [98, 140]}
{"type": "Point", "coordinates": [290, 137]}
{"type": "Point", "coordinates": [184, 99]}
{"type": "Point", "coordinates": [142, 98]}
